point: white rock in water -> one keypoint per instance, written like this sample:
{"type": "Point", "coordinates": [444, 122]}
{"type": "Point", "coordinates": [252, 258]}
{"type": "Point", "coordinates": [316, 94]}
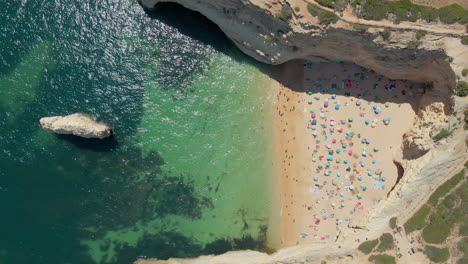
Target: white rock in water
{"type": "Point", "coordinates": [76, 124]}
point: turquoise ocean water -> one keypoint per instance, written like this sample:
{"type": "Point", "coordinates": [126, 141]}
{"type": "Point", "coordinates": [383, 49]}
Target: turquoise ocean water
{"type": "Point", "coordinates": [189, 169]}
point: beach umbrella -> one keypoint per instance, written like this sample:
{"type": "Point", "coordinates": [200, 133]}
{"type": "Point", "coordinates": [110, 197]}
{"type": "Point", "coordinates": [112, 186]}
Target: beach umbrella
{"type": "Point", "coordinates": [387, 104]}
{"type": "Point", "coordinates": [376, 149]}
{"type": "Point", "coordinates": [328, 164]}
{"type": "Point", "coordinates": [350, 152]}
{"type": "Point", "coordinates": [343, 204]}
{"type": "Point", "coordinates": [374, 162]}
{"type": "Point", "coordinates": [309, 101]}
{"type": "Point", "coordinates": [378, 172]}
{"type": "Point", "coordinates": [338, 175]}
{"type": "Point", "coordinates": [314, 159]}
{"type": "Point", "coordinates": [313, 115]}
{"type": "Point", "coordinates": [338, 151]}
{"type": "Point", "coordinates": [348, 169]}
{"type": "Point", "coordinates": [345, 161]}
{"type": "Point", "coordinates": [332, 122]}
{"type": "Point", "coordinates": [362, 163]}
{"type": "Point", "coordinates": [351, 187]}
{"type": "Point", "coordinates": [316, 178]}
{"type": "Point", "coordinates": [325, 104]}
{"type": "Point", "coordinates": [347, 133]}
{"type": "Point", "coordinates": [337, 107]}
{"type": "Point", "coordinates": [359, 177]}
{"type": "Point", "coordinates": [367, 121]}
{"type": "Point", "coordinates": [315, 134]}
{"type": "Point", "coordinates": [334, 141]}
{"type": "Point", "coordinates": [364, 188]}
{"type": "Point", "coordinates": [350, 119]}
{"type": "Point", "coordinates": [341, 195]}
{"type": "Point", "coordinates": [330, 152]}
{"type": "Point", "coordinates": [368, 141]}
{"type": "Point", "coordinates": [358, 170]}
{"type": "Point", "coordinates": [364, 153]}
{"type": "Point", "coordinates": [370, 173]}
{"type": "Point", "coordinates": [359, 196]}
{"type": "Point", "coordinates": [333, 95]}
{"type": "Point", "coordinates": [344, 145]}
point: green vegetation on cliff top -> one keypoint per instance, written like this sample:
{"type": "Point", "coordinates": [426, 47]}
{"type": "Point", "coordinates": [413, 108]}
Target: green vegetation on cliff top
{"type": "Point", "coordinates": [405, 10]}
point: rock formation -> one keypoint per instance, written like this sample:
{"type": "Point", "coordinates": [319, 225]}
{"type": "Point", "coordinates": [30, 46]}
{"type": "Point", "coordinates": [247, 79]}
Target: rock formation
{"type": "Point", "coordinates": [76, 124]}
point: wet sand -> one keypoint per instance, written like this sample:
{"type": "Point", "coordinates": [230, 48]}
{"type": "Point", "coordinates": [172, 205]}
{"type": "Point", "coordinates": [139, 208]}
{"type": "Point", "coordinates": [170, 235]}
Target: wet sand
{"type": "Point", "coordinates": [319, 194]}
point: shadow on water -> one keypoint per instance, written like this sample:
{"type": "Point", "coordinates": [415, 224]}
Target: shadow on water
{"type": "Point", "coordinates": [197, 26]}
{"type": "Point", "coordinates": [63, 190]}
{"type": "Point", "coordinates": [94, 144]}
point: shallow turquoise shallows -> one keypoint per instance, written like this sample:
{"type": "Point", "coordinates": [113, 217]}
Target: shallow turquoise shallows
{"type": "Point", "coordinates": [188, 171]}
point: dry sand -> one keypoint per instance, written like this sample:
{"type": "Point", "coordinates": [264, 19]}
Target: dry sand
{"type": "Point", "coordinates": [305, 200]}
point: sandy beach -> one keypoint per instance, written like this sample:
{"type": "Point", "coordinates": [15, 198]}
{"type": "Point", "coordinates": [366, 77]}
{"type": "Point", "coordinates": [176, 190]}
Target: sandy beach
{"type": "Point", "coordinates": [337, 127]}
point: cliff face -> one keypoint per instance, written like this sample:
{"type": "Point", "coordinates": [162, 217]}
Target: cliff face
{"type": "Point", "coordinates": [255, 28]}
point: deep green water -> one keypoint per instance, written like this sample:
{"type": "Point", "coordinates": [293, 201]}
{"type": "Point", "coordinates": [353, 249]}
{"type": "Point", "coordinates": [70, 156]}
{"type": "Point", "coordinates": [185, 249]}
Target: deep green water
{"type": "Point", "coordinates": [188, 171]}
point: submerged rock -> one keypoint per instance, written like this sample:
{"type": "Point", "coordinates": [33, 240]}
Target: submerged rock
{"type": "Point", "coordinates": [76, 124]}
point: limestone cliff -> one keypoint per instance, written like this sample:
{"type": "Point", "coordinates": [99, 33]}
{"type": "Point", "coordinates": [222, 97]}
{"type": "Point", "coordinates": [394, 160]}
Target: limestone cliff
{"type": "Point", "coordinates": [76, 124]}
{"type": "Point", "coordinates": [253, 25]}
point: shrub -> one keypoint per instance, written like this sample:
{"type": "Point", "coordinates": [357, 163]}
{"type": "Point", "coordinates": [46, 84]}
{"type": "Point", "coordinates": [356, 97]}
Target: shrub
{"type": "Point", "coordinates": [438, 229]}
{"type": "Point", "coordinates": [392, 222]}
{"type": "Point", "coordinates": [463, 247]}
{"type": "Point", "coordinates": [464, 40]}
{"type": "Point", "coordinates": [327, 3]}
{"type": "Point", "coordinates": [386, 34]}
{"type": "Point", "coordinates": [445, 188]}
{"type": "Point", "coordinates": [382, 259]}
{"type": "Point", "coordinates": [453, 13]}
{"type": "Point", "coordinates": [386, 242]}
{"type": "Point", "coordinates": [437, 254]}
{"type": "Point", "coordinates": [371, 9]}
{"type": "Point", "coordinates": [404, 10]}
{"type": "Point", "coordinates": [325, 17]}
{"type": "Point", "coordinates": [417, 221]}
{"type": "Point", "coordinates": [361, 28]}
{"type": "Point", "coordinates": [297, 9]}
{"type": "Point", "coordinates": [462, 88]}
{"type": "Point", "coordinates": [429, 14]}
{"type": "Point", "coordinates": [314, 10]}
{"type": "Point", "coordinates": [466, 128]}
{"type": "Point", "coordinates": [367, 246]}
{"type": "Point", "coordinates": [285, 13]}
{"type": "Point", "coordinates": [413, 44]}
{"type": "Point", "coordinates": [420, 34]}
{"type": "Point", "coordinates": [442, 134]}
